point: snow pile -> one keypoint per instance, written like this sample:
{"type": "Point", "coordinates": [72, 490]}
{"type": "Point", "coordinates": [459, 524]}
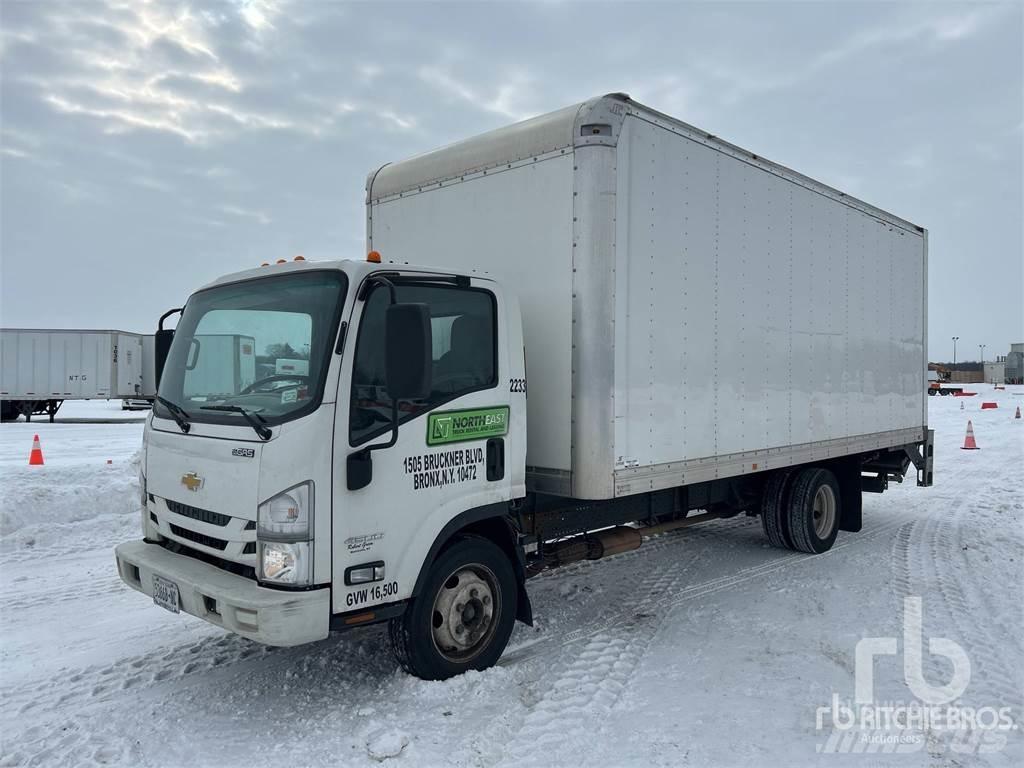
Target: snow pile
{"type": "Point", "coordinates": [41, 506]}
{"type": "Point", "coordinates": [386, 742]}
{"type": "Point", "coordinates": [76, 498]}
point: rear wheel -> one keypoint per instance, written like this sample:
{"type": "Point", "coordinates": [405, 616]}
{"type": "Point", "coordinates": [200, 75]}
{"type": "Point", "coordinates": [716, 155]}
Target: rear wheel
{"type": "Point", "coordinates": [463, 617]}
{"type": "Point", "coordinates": [814, 510]}
{"type": "Point", "coordinates": [774, 509]}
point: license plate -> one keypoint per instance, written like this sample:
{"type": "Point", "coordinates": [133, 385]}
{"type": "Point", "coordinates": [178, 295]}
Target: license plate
{"type": "Point", "coordinates": [165, 593]}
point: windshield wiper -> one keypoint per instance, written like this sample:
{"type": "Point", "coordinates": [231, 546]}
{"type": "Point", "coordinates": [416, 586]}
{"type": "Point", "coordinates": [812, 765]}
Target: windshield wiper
{"type": "Point", "coordinates": [257, 422]}
{"type": "Point", "coordinates": [179, 414]}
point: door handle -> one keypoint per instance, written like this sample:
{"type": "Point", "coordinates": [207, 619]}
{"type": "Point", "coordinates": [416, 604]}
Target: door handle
{"type": "Point", "coordinates": [496, 458]}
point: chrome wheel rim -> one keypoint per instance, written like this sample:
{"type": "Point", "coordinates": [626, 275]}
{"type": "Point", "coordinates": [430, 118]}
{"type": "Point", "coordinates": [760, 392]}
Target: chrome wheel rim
{"type": "Point", "coordinates": [824, 512]}
{"type": "Point", "coordinates": [465, 613]}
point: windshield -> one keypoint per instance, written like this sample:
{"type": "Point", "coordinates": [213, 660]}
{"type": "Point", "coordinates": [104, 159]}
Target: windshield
{"type": "Point", "coordinates": [261, 345]}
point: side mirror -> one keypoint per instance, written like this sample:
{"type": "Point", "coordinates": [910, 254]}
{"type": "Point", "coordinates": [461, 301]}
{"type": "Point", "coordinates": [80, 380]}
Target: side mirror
{"type": "Point", "coordinates": [162, 343]}
{"type": "Point", "coordinates": [407, 351]}
{"type": "Point", "coordinates": [161, 346]}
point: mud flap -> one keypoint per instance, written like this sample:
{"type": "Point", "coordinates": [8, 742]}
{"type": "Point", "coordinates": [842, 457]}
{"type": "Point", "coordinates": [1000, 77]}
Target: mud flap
{"type": "Point", "coordinates": [848, 475]}
{"type": "Point", "coordinates": [524, 609]}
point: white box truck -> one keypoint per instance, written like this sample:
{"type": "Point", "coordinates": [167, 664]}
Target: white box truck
{"type": "Point", "coordinates": [220, 364]}
{"type": "Point", "coordinates": [40, 369]}
{"type": "Point", "coordinates": [702, 333]}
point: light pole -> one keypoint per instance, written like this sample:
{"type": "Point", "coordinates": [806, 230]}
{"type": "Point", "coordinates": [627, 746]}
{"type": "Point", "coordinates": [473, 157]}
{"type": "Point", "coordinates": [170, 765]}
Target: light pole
{"type": "Point", "coordinates": [955, 340]}
{"type": "Point", "coordinates": [982, 348]}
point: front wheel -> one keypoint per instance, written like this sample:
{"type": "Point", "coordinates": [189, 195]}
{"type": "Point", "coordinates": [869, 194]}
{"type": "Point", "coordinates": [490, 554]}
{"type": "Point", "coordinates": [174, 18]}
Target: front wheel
{"type": "Point", "coordinates": [463, 617]}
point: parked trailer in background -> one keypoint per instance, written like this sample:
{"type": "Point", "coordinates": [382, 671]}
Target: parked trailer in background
{"type": "Point", "coordinates": [40, 369]}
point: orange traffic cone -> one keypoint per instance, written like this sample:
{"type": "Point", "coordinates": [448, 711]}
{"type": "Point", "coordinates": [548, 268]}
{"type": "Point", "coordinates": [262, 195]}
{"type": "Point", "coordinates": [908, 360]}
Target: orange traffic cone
{"type": "Point", "coordinates": [36, 457]}
{"type": "Point", "coordinates": [969, 444]}
{"type": "Point", "coordinates": [1017, 416]}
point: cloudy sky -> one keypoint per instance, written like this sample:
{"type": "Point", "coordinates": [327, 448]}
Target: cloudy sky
{"type": "Point", "coordinates": [149, 147]}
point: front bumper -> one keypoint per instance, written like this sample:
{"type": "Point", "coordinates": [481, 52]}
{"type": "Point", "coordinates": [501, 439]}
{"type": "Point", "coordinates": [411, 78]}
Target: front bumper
{"type": "Point", "coordinates": [238, 604]}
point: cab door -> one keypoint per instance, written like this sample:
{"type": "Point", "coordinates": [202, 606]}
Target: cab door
{"type": "Point", "coordinates": [460, 448]}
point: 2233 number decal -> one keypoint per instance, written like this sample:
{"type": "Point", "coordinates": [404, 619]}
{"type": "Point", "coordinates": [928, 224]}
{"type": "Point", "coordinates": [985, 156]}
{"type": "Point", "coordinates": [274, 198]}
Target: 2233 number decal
{"type": "Point", "coordinates": [517, 385]}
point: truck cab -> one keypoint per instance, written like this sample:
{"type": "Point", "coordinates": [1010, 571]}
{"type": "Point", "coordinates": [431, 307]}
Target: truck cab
{"type": "Point", "coordinates": [285, 505]}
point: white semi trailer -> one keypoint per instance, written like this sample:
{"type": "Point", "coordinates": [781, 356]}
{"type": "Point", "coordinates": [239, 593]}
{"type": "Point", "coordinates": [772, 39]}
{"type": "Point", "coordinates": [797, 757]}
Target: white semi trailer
{"type": "Point", "coordinates": [40, 369]}
{"type": "Point", "coordinates": [571, 333]}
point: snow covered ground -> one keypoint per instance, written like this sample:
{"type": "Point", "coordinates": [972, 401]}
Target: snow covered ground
{"type": "Point", "coordinates": [704, 647]}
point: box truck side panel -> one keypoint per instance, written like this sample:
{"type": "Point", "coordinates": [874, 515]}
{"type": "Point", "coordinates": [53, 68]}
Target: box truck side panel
{"type": "Point", "coordinates": [64, 353]}
{"type": "Point", "coordinates": [128, 366]}
{"type": "Point", "coordinates": [28, 365]}
{"type": "Point", "coordinates": [96, 375]}
{"type": "Point", "coordinates": [149, 382]}
{"type": "Point", "coordinates": [8, 363]}
{"type": "Point", "coordinates": [218, 369]}
{"type": "Point", "coordinates": [247, 362]}
{"type": "Point", "coordinates": [518, 223]}
{"type": "Point", "coordinates": [753, 314]}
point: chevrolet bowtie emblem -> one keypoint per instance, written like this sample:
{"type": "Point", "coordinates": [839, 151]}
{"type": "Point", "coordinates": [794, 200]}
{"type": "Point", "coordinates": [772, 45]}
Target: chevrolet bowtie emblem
{"type": "Point", "coordinates": [192, 481]}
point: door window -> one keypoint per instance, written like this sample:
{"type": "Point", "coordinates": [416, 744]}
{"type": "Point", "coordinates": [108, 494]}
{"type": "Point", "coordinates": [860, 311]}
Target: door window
{"type": "Point", "coordinates": [464, 352]}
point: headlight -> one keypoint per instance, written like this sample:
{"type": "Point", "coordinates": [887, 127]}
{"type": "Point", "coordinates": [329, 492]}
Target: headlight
{"type": "Point", "coordinates": [285, 562]}
{"type": "Point", "coordinates": [287, 516]}
{"type": "Point", "coordinates": [284, 529]}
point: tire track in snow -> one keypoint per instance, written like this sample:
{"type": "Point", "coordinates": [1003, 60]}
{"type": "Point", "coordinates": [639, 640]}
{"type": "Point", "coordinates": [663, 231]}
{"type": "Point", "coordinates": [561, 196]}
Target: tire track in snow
{"type": "Point", "coordinates": [700, 589]}
{"type": "Point", "coordinates": [595, 677]}
{"type": "Point", "coordinates": [96, 684]}
{"type": "Point", "coordinates": [582, 687]}
{"type": "Point", "coordinates": [68, 742]}
{"type": "Point", "coordinates": [61, 593]}
{"type": "Point", "coordinates": [929, 561]}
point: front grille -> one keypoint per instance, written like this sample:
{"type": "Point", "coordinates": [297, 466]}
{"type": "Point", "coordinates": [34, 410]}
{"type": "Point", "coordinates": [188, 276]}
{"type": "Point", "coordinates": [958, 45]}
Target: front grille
{"type": "Point", "coordinates": [203, 515]}
{"type": "Point", "coordinates": [250, 548]}
{"type": "Point", "coordinates": [237, 568]}
{"type": "Point", "coordinates": [198, 538]}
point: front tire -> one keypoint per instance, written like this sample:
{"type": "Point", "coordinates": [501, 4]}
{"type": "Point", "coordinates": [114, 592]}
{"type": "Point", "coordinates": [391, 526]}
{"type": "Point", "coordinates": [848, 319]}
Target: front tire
{"type": "Point", "coordinates": [815, 509]}
{"type": "Point", "coordinates": [464, 615]}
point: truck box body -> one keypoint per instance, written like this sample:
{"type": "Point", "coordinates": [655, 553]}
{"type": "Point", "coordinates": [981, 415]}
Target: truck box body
{"type": "Point", "coordinates": [208, 379]}
{"type": "Point", "coordinates": [149, 382]}
{"type": "Point", "coordinates": [70, 365]}
{"type": "Point", "coordinates": [691, 311]}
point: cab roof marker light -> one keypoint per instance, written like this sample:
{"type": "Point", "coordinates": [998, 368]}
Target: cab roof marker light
{"type": "Point", "coordinates": [282, 261]}
{"type": "Point", "coordinates": [299, 258]}
{"type": "Point", "coordinates": [373, 257]}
